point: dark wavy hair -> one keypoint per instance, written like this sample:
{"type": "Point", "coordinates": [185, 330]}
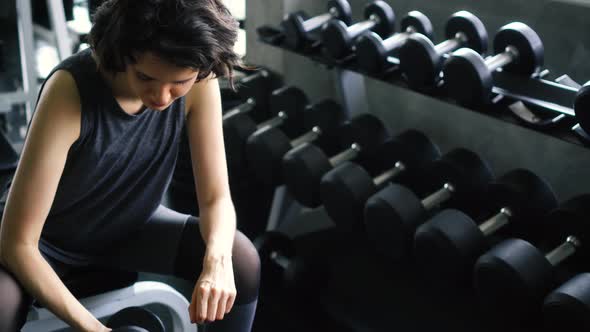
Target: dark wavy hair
{"type": "Point", "coordinates": [199, 34]}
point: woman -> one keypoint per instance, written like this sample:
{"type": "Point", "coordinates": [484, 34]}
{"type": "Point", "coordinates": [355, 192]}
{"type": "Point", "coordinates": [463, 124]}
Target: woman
{"type": "Point", "coordinates": [99, 155]}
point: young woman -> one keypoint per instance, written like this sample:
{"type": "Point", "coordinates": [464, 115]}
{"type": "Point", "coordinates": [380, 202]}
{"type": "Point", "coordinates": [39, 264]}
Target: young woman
{"type": "Point", "coordinates": [99, 155]}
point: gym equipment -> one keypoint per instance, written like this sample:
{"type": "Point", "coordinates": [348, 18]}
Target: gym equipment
{"type": "Point", "coordinates": [449, 243]}
{"type": "Point", "coordinates": [339, 39]}
{"type": "Point", "coordinates": [286, 270]}
{"type": "Point", "coordinates": [287, 103]}
{"type": "Point", "coordinates": [266, 147]}
{"type": "Point", "coordinates": [515, 276]}
{"type": "Point", "coordinates": [304, 166]}
{"type": "Point", "coordinates": [468, 77]}
{"type": "Point", "coordinates": [300, 31]}
{"type": "Point", "coordinates": [421, 61]}
{"type": "Point", "coordinates": [373, 52]}
{"type": "Point", "coordinates": [345, 189]}
{"type": "Point", "coordinates": [568, 307]}
{"type": "Point", "coordinates": [255, 90]}
{"type": "Point", "coordinates": [137, 319]}
{"type": "Point", "coordinates": [582, 105]}
{"type": "Point", "coordinates": [394, 213]}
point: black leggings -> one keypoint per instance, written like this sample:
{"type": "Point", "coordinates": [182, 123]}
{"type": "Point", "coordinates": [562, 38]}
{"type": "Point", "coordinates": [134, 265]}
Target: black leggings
{"type": "Point", "coordinates": [167, 234]}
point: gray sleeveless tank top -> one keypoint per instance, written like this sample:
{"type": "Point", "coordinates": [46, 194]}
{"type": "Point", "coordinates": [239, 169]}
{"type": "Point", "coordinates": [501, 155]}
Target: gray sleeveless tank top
{"type": "Point", "coordinates": [115, 174]}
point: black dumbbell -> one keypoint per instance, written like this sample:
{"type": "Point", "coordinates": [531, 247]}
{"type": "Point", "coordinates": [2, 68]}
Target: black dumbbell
{"type": "Point", "coordinates": [394, 213]}
{"type": "Point", "coordinates": [449, 243]}
{"type": "Point", "coordinates": [568, 307]}
{"type": "Point", "coordinates": [373, 52]}
{"type": "Point", "coordinates": [300, 31]}
{"type": "Point", "coordinates": [346, 188]}
{"type": "Point", "coordinates": [338, 38]}
{"type": "Point", "coordinates": [582, 107]}
{"type": "Point", "coordinates": [135, 319]}
{"type": "Point", "coordinates": [421, 61]}
{"type": "Point", "coordinates": [286, 103]}
{"type": "Point", "coordinates": [468, 77]}
{"type": "Point", "coordinates": [285, 269]}
{"type": "Point", "coordinates": [514, 276]}
{"type": "Point", "coordinates": [266, 147]}
{"type": "Point", "coordinates": [254, 90]}
{"type": "Point", "coordinates": [304, 166]}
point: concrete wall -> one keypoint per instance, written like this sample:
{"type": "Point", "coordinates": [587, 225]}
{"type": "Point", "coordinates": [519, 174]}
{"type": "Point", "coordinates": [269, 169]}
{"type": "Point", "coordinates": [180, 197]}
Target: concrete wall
{"type": "Point", "coordinates": [562, 26]}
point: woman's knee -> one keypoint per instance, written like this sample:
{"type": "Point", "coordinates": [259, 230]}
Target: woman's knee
{"type": "Point", "coordinates": [14, 302]}
{"type": "Point", "coordinates": [246, 264]}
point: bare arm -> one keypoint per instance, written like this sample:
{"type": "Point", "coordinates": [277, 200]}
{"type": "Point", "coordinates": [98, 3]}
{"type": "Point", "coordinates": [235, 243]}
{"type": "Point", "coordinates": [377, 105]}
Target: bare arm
{"type": "Point", "coordinates": [55, 126]}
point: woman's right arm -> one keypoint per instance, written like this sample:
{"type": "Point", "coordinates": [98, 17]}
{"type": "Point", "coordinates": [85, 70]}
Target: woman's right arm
{"type": "Point", "coordinates": [54, 128]}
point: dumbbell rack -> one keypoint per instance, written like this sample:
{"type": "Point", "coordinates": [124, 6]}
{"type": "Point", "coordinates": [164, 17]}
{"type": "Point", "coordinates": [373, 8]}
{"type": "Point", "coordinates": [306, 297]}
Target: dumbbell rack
{"type": "Point", "coordinates": [536, 103]}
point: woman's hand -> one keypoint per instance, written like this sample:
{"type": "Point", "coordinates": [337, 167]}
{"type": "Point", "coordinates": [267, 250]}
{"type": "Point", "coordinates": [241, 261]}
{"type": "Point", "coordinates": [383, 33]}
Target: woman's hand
{"type": "Point", "coordinates": [215, 291]}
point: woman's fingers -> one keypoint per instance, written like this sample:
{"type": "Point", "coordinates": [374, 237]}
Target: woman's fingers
{"type": "Point", "coordinates": [192, 308]}
{"type": "Point", "coordinates": [203, 290]}
{"type": "Point", "coordinates": [230, 301]}
{"type": "Point", "coordinates": [214, 295]}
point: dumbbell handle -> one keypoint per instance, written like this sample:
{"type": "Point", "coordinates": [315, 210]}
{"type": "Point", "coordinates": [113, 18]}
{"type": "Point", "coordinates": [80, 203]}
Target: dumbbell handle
{"type": "Point", "coordinates": [396, 41]}
{"type": "Point", "coordinates": [452, 44]}
{"type": "Point", "coordinates": [274, 122]}
{"type": "Point", "coordinates": [389, 174]}
{"type": "Point", "coordinates": [348, 154]}
{"type": "Point", "coordinates": [502, 59]}
{"type": "Point", "coordinates": [280, 260]}
{"type": "Point", "coordinates": [442, 195]}
{"type": "Point", "coordinates": [564, 251]}
{"type": "Point", "coordinates": [360, 27]}
{"type": "Point", "coordinates": [257, 75]}
{"type": "Point", "coordinates": [316, 22]}
{"type": "Point", "coordinates": [310, 136]}
{"type": "Point", "coordinates": [496, 222]}
{"type": "Point", "coordinates": [242, 108]}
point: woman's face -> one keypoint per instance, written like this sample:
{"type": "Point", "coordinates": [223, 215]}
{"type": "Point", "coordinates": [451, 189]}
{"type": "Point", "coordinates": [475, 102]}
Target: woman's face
{"type": "Point", "coordinates": [157, 82]}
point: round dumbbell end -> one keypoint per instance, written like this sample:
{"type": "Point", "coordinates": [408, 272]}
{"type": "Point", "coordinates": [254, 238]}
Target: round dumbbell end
{"type": "Point", "coordinates": [303, 168]}
{"type": "Point", "coordinates": [471, 27]}
{"type": "Point", "coordinates": [391, 218]}
{"type": "Point", "coordinates": [513, 276]}
{"type": "Point", "coordinates": [419, 61]}
{"type": "Point", "coordinates": [344, 191]}
{"type": "Point", "coordinates": [449, 244]}
{"type": "Point", "coordinates": [419, 22]}
{"type": "Point", "coordinates": [265, 150]}
{"type": "Point", "coordinates": [528, 45]}
{"type": "Point", "coordinates": [467, 78]}
{"type": "Point", "coordinates": [343, 10]}
{"type": "Point", "coordinates": [384, 12]}
{"type": "Point", "coordinates": [295, 35]}
{"type": "Point", "coordinates": [371, 55]}
{"type": "Point", "coordinates": [412, 148]}
{"type": "Point", "coordinates": [236, 131]}
{"type": "Point", "coordinates": [335, 39]}
{"type": "Point", "coordinates": [582, 107]}
{"type": "Point", "coordinates": [568, 307]}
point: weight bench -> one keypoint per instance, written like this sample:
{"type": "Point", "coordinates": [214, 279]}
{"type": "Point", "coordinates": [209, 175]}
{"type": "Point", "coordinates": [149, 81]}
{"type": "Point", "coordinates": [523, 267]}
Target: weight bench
{"type": "Point", "coordinates": [104, 292]}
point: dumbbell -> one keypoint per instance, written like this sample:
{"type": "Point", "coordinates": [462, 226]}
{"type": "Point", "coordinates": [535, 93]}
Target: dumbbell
{"type": "Point", "coordinates": [285, 269]}
{"type": "Point", "coordinates": [287, 103]}
{"type": "Point", "coordinates": [421, 61]}
{"type": "Point", "coordinates": [515, 276]}
{"type": "Point", "coordinates": [346, 188]}
{"type": "Point", "coordinates": [300, 31]}
{"type": "Point", "coordinates": [255, 90]}
{"type": "Point", "coordinates": [393, 214]}
{"type": "Point", "coordinates": [135, 319]}
{"type": "Point", "coordinates": [266, 147]}
{"type": "Point", "coordinates": [468, 77]}
{"type": "Point", "coordinates": [568, 307]}
{"type": "Point", "coordinates": [338, 38]}
{"type": "Point", "coordinates": [449, 243]}
{"type": "Point", "coordinates": [304, 166]}
{"type": "Point", "coordinates": [372, 51]}
{"type": "Point", "coordinates": [582, 107]}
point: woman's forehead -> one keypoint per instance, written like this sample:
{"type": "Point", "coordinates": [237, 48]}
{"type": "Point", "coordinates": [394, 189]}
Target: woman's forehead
{"type": "Point", "coordinates": [156, 67]}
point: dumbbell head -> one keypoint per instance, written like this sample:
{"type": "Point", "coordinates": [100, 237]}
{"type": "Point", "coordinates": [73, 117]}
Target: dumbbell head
{"type": "Point", "coordinates": [258, 86]}
{"type": "Point", "coordinates": [346, 188]}
{"type": "Point", "coordinates": [527, 44]}
{"type": "Point", "coordinates": [568, 307]}
{"type": "Point", "coordinates": [266, 147]}
{"type": "Point", "coordinates": [304, 166]}
{"type": "Point", "coordinates": [291, 101]}
{"type": "Point", "coordinates": [136, 319]}
{"type": "Point", "coordinates": [449, 243]}
{"type": "Point", "coordinates": [420, 61]}
{"type": "Point", "coordinates": [372, 52]}
{"type": "Point", "coordinates": [268, 245]}
{"type": "Point", "coordinates": [394, 213]}
{"type": "Point", "coordinates": [296, 32]}
{"type": "Point", "coordinates": [338, 39]}
{"type": "Point", "coordinates": [582, 107]}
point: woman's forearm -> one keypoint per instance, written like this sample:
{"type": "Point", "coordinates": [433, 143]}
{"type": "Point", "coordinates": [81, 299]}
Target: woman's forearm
{"type": "Point", "coordinates": [218, 226]}
{"type": "Point", "coordinates": [41, 281]}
